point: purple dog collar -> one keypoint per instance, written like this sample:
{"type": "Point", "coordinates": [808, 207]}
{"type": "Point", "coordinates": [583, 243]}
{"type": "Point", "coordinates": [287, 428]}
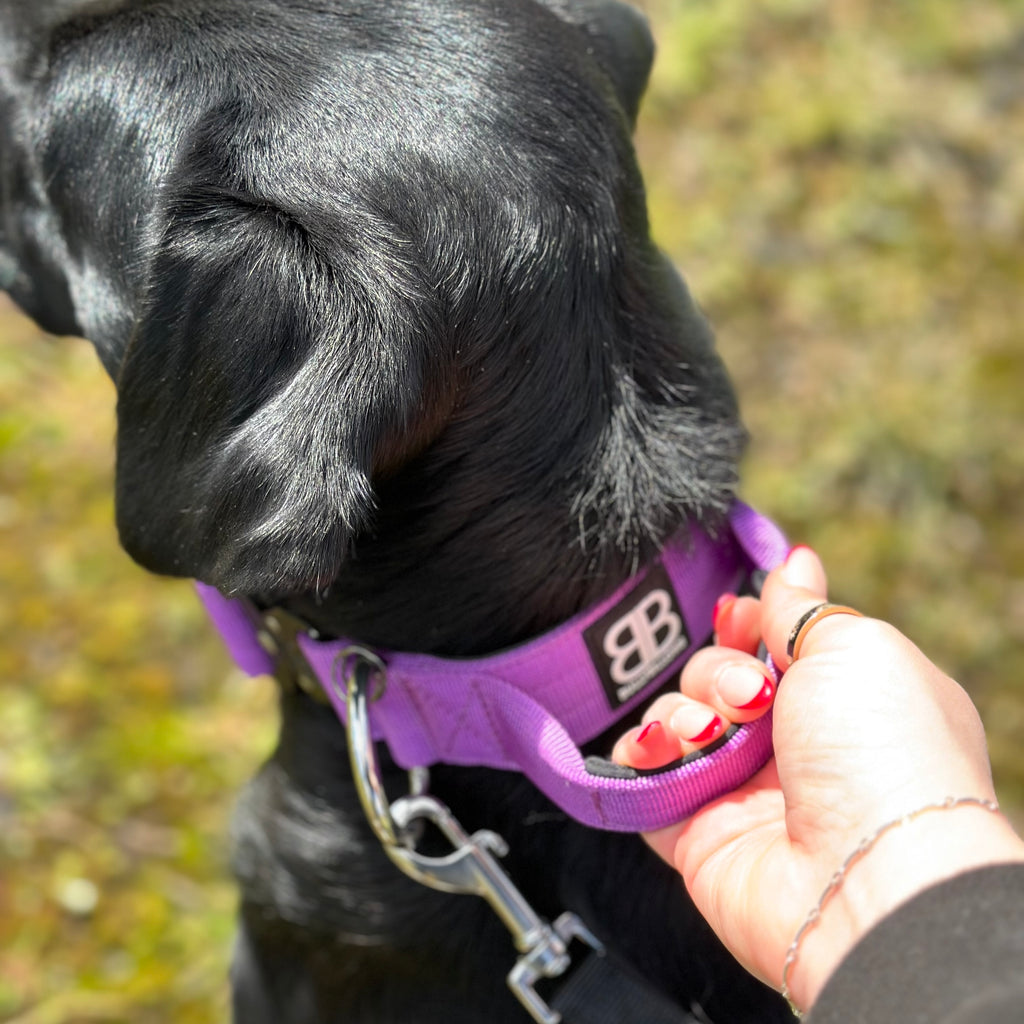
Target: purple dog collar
{"type": "Point", "coordinates": [528, 709]}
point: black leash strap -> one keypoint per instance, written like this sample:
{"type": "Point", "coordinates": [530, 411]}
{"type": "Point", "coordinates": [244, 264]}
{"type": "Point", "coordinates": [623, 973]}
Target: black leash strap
{"type": "Point", "coordinates": [603, 989]}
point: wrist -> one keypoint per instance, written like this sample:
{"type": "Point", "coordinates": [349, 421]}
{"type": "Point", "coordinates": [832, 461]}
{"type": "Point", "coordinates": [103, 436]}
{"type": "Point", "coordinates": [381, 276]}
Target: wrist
{"type": "Point", "coordinates": [898, 861]}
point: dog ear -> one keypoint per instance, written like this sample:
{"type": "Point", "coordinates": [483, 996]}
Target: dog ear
{"type": "Point", "coordinates": [276, 364]}
{"type": "Point", "coordinates": [622, 42]}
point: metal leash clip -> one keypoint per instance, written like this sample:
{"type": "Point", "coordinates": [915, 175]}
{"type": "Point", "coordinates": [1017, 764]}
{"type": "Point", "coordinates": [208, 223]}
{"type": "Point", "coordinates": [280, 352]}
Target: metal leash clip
{"type": "Point", "coordinates": [471, 867]}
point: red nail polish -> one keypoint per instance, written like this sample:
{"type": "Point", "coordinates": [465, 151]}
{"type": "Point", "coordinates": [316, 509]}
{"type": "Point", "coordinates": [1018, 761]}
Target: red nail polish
{"type": "Point", "coordinates": [707, 732]}
{"type": "Point", "coordinates": [643, 734]}
{"type": "Point", "coordinates": [763, 698]}
{"type": "Point", "coordinates": [724, 602]}
{"type": "Point", "coordinates": [795, 548]}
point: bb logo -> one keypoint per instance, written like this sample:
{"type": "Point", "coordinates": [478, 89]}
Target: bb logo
{"type": "Point", "coordinates": [636, 641]}
{"type": "Point", "coordinates": [639, 638]}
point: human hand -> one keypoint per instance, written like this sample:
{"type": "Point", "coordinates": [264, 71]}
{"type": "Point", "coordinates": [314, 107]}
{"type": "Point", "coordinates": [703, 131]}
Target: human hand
{"type": "Point", "coordinates": [866, 729]}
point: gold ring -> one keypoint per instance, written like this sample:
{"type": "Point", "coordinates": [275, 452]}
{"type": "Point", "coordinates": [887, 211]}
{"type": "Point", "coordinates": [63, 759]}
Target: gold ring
{"type": "Point", "coordinates": [811, 618]}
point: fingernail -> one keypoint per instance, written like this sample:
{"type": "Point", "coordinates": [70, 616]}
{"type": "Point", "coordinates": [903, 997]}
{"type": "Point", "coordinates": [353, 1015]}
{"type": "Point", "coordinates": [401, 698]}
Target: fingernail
{"type": "Point", "coordinates": [649, 732]}
{"type": "Point", "coordinates": [800, 561]}
{"type": "Point", "coordinates": [723, 604]}
{"type": "Point", "coordinates": [762, 699]}
{"type": "Point", "coordinates": [745, 687]}
{"type": "Point", "coordinates": [692, 723]}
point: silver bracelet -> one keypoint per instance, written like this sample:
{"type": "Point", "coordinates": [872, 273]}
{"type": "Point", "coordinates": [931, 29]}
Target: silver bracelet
{"type": "Point", "coordinates": [837, 879]}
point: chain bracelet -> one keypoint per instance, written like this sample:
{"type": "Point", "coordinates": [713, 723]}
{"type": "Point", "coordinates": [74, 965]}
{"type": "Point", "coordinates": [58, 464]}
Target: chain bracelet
{"type": "Point", "coordinates": [837, 879]}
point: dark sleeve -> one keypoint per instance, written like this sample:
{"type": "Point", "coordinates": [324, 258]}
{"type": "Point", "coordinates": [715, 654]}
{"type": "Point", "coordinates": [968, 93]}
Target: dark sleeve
{"type": "Point", "coordinates": [954, 954]}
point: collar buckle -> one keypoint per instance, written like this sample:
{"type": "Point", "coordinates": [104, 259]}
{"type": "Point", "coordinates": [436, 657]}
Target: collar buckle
{"type": "Point", "coordinates": [278, 635]}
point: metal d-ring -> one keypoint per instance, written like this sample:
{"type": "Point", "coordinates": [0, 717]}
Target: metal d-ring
{"type": "Point", "coordinates": [358, 670]}
{"type": "Point", "coordinates": [347, 660]}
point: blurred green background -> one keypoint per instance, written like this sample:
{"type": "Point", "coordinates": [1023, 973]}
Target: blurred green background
{"type": "Point", "coordinates": [842, 182]}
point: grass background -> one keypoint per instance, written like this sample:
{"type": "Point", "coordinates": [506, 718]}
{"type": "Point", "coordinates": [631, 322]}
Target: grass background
{"type": "Point", "coordinates": [842, 183]}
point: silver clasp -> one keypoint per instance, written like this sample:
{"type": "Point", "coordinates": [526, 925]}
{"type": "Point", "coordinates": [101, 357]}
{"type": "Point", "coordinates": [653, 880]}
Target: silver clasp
{"type": "Point", "coordinates": [471, 867]}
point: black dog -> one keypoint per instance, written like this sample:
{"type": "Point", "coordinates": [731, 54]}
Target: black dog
{"type": "Point", "coordinates": [394, 352]}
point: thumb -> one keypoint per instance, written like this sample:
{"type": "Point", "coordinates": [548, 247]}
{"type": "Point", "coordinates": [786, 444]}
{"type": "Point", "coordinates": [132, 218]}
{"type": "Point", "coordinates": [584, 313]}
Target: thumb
{"type": "Point", "coordinates": [790, 591]}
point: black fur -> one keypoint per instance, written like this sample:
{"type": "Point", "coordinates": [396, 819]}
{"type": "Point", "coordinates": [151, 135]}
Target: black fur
{"type": "Point", "coordinates": [394, 351]}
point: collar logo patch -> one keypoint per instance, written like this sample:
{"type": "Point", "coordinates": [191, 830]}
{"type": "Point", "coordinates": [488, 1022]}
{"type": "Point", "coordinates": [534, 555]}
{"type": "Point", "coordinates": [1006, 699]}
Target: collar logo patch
{"type": "Point", "coordinates": [639, 638]}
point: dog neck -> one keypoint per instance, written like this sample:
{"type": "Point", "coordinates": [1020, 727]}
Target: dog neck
{"type": "Point", "coordinates": [462, 590]}
{"type": "Point", "coordinates": [510, 523]}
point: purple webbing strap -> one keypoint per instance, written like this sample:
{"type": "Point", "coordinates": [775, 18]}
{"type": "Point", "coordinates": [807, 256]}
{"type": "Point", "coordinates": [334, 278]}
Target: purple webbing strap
{"type": "Point", "coordinates": [528, 709]}
{"type": "Point", "coordinates": [238, 626]}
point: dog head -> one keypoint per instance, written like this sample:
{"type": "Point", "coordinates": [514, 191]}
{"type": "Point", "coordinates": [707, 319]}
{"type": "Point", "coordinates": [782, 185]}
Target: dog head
{"type": "Point", "coordinates": [331, 250]}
